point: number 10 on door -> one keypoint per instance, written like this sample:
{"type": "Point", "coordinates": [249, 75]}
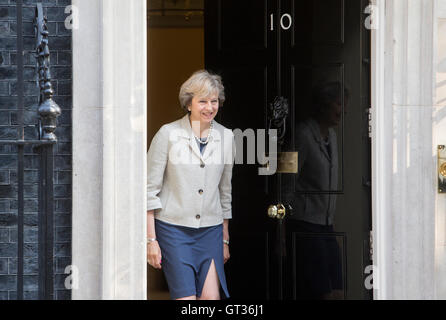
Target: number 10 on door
{"type": "Point", "coordinates": [286, 21]}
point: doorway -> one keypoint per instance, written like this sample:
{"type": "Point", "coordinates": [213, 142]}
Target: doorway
{"type": "Point", "coordinates": [175, 43]}
{"type": "Point", "coordinates": [289, 55]}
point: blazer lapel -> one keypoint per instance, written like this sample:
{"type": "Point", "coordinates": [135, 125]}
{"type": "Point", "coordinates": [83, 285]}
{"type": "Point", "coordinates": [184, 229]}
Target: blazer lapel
{"type": "Point", "coordinates": [193, 144]}
{"type": "Point", "coordinates": [190, 135]}
{"type": "Point", "coordinates": [213, 144]}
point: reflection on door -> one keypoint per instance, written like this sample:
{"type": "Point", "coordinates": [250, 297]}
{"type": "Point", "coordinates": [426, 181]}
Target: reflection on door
{"type": "Point", "coordinates": [318, 264]}
{"type": "Point", "coordinates": [314, 54]}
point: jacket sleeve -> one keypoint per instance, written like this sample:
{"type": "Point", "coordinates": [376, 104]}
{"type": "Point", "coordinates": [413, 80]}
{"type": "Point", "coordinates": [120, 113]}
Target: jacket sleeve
{"type": "Point", "coordinates": [225, 185]}
{"type": "Point", "coordinates": [156, 164]}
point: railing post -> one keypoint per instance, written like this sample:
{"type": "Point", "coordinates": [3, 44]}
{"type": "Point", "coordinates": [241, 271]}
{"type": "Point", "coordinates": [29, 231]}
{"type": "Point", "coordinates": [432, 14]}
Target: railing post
{"type": "Point", "coordinates": [49, 111]}
{"type": "Point", "coordinates": [20, 160]}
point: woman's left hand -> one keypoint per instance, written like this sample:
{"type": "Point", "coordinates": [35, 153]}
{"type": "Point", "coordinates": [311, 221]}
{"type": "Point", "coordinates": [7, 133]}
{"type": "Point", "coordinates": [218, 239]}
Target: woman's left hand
{"type": "Point", "coordinates": [226, 254]}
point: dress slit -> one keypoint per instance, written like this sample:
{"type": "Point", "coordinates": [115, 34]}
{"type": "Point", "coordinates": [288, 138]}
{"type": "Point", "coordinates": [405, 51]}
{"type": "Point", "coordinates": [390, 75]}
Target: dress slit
{"type": "Point", "coordinates": [222, 284]}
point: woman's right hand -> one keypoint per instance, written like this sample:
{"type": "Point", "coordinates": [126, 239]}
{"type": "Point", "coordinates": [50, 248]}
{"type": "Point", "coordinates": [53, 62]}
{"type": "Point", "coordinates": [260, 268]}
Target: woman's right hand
{"type": "Point", "coordinates": [154, 254]}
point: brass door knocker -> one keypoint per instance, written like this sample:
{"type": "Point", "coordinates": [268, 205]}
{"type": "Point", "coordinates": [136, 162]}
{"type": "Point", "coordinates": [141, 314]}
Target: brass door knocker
{"type": "Point", "coordinates": [278, 112]}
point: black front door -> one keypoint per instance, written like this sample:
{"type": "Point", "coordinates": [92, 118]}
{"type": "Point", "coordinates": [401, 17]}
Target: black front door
{"type": "Point", "coordinates": [300, 67]}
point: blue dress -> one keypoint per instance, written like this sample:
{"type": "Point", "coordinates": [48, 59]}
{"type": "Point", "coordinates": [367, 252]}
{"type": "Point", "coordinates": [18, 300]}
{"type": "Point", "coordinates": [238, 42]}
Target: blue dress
{"type": "Point", "coordinates": [187, 254]}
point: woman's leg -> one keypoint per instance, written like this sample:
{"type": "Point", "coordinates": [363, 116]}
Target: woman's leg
{"type": "Point", "coordinates": [211, 288]}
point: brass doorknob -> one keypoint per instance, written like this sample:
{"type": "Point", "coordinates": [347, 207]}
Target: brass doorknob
{"type": "Point", "coordinates": [277, 211]}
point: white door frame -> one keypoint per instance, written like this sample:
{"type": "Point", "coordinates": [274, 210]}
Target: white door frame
{"type": "Point", "coordinates": [379, 142]}
{"type": "Point", "coordinates": [109, 149]}
{"type": "Point", "coordinates": [403, 161]}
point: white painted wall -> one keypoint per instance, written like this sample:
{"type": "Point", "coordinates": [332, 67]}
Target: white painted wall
{"type": "Point", "coordinates": [109, 149]}
{"type": "Point", "coordinates": [404, 146]}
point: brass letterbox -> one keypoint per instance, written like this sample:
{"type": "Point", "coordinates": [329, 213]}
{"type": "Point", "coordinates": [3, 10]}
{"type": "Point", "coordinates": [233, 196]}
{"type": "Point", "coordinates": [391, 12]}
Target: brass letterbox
{"type": "Point", "coordinates": [287, 162]}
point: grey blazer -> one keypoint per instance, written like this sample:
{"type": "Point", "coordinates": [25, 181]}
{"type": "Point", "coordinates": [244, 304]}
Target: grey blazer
{"type": "Point", "coordinates": [185, 187]}
{"type": "Point", "coordinates": [318, 172]}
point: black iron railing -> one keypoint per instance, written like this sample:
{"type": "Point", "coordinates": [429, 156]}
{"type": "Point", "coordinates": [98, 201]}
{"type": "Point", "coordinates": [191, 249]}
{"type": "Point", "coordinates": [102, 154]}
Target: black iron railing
{"type": "Point", "coordinates": [48, 112]}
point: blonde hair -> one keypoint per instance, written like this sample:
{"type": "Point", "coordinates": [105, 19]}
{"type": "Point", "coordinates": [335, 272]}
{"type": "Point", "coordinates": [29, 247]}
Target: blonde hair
{"type": "Point", "coordinates": [201, 84]}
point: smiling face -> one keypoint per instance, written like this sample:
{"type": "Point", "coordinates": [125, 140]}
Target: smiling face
{"type": "Point", "coordinates": [204, 109]}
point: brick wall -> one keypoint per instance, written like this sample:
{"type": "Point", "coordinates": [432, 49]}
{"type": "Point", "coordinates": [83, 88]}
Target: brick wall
{"type": "Point", "coordinates": [60, 47]}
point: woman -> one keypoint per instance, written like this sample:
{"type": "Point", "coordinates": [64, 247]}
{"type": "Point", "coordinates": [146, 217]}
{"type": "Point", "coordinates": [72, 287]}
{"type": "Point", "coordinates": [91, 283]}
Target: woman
{"type": "Point", "coordinates": [189, 194]}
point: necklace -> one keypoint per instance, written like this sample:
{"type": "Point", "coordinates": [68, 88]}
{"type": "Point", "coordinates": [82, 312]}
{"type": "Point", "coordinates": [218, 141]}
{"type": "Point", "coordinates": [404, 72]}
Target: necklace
{"type": "Point", "coordinates": [209, 135]}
